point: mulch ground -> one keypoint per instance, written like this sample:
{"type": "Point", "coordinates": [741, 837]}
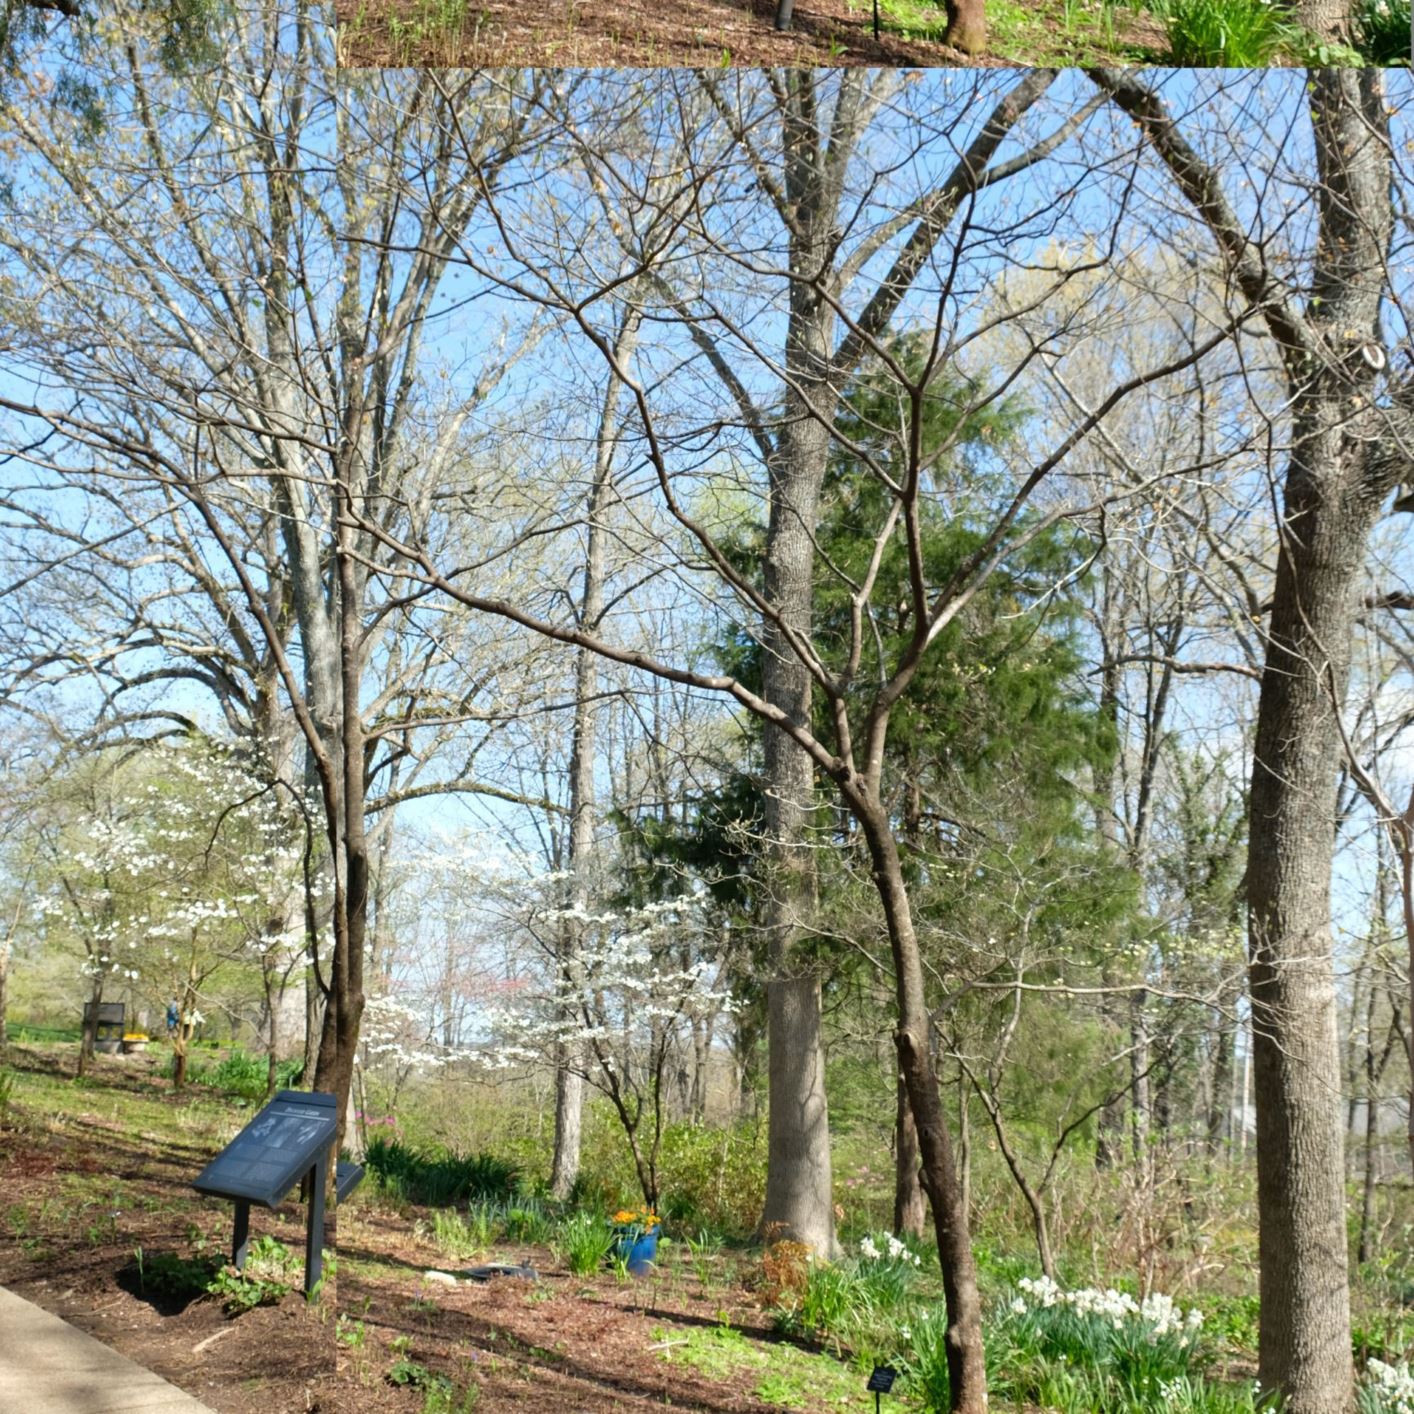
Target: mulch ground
{"type": "Point", "coordinates": [79, 1194]}
{"type": "Point", "coordinates": [562, 1345]}
{"type": "Point", "coordinates": [76, 1204]}
{"type": "Point", "coordinates": [624, 34]}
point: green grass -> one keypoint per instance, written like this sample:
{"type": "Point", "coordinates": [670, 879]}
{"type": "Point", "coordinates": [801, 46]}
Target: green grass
{"type": "Point", "coordinates": [24, 1033]}
{"type": "Point", "coordinates": [1230, 34]}
{"type": "Point", "coordinates": [1061, 33]}
{"type": "Point", "coordinates": [785, 1374]}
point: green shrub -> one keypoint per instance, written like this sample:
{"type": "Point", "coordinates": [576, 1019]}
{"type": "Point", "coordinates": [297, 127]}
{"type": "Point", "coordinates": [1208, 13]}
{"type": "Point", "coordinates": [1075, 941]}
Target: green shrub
{"type": "Point", "coordinates": [1382, 31]}
{"type": "Point", "coordinates": [712, 1177]}
{"type": "Point", "coordinates": [1230, 34]}
{"type": "Point", "coordinates": [585, 1240]}
{"type": "Point", "coordinates": [7, 1093]}
{"type": "Point", "coordinates": [437, 1178]}
{"type": "Point", "coordinates": [244, 1076]}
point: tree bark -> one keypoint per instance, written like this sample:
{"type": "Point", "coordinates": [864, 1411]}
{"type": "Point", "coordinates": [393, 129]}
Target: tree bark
{"type": "Point", "coordinates": [967, 1374]}
{"type": "Point", "coordinates": [908, 1190]}
{"type": "Point", "coordinates": [967, 26]}
{"type": "Point", "coordinates": [799, 1197]}
{"type": "Point", "coordinates": [1328, 20]}
{"type": "Point", "coordinates": [569, 1081]}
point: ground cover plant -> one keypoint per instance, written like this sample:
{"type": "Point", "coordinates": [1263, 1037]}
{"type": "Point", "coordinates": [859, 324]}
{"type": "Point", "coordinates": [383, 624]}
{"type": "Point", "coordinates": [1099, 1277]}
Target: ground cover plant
{"type": "Point", "coordinates": [436, 1177]}
{"type": "Point", "coordinates": [243, 1075]}
{"type": "Point", "coordinates": [99, 1224]}
{"type": "Point", "coordinates": [717, 1318]}
{"type": "Point", "coordinates": [1198, 33]}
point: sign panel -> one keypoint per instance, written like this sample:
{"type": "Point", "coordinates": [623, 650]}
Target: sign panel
{"type": "Point", "coordinates": [276, 1149]}
{"type": "Point", "coordinates": [347, 1177]}
{"type": "Point", "coordinates": [882, 1380]}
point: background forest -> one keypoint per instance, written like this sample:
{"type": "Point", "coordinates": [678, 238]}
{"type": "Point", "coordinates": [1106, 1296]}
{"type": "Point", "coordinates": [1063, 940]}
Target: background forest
{"type": "Point", "coordinates": [825, 654]}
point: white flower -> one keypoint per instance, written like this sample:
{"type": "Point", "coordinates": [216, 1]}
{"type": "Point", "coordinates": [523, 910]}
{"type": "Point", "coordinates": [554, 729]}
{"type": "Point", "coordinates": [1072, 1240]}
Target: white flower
{"type": "Point", "coordinates": [1157, 1313]}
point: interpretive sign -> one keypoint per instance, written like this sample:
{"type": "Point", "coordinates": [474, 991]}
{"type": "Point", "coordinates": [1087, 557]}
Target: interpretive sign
{"type": "Point", "coordinates": [289, 1139]}
{"type": "Point", "coordinates": [347, 1177]}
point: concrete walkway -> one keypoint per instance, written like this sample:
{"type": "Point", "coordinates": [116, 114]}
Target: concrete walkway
{"type": "Point", "coordinates": [49, 1367]}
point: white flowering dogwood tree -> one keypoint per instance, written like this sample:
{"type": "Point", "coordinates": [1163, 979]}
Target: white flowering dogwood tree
{"type": "Point", "coordinates": [623, 1009]}
{"type": "Point", "coordinates": [164, 871]}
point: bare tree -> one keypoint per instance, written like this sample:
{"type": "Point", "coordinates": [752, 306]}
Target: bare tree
{"type": "Point", "coordinates": [1346, 455]}
{"type": "Point", "coordinates": [832, 321]}
{"type": "Point", "coordinates": [246, 352]}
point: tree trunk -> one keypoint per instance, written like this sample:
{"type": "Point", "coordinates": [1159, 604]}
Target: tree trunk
{"type": "Point", "coordinates": [343, 1015]}
{"type": "Point", "coordinates": [908, 1190]}
{"type": "Point", "coordinates": [1220, 1099]}
{"type": "Point", "coordinates": [1330, 504]}
{"type": "Point", "coordinates": [272, 1077]}
{"type": "Point", "coordinates": [967, 1374]}
{"type": "Point", "coordinates": [1328, 20]}
{"type": "Point", "coordinates": [90, 1025]}
{"type": "Point", "coordinates": [1344, 461]}
{"type": "Point", "coordinates": [313, 1021]}
{"type": "Point", "coordinates": [1367, 1194]}
{"type": "Point", "coordinates": [1140, 1112]}
{"type": "Point", "coordinates": [799, 1198]}
{"type": "Point", "coordinates": [569, 1082]}
{"type": "Point", "coordinates": [569, 1122]}
{"type": "Point", "coordinates": [1109, 1131]}
{"type": "Point", "coordinates": [967, 26]}
{"type": "Point", "coordinates": [1406, 876]}
{"type": "Point", "coordinates": [702, 1028]}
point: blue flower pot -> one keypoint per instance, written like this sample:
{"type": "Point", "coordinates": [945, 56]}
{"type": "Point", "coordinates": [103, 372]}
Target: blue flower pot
{"type": "Point", "coordinates": [638, 1251]}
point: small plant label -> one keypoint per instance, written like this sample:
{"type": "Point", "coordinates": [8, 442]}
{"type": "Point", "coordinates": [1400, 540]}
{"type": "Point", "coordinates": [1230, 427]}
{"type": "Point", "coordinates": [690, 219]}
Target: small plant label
{"type": "Point", "coordinates": [881, 1381]}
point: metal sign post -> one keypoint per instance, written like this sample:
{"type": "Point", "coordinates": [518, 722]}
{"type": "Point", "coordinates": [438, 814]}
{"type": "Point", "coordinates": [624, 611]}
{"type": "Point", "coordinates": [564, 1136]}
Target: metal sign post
{"type": "Point", "coordinates": [881, 1382]}
{"type": "Point", "coordinates": [287, 1141]}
